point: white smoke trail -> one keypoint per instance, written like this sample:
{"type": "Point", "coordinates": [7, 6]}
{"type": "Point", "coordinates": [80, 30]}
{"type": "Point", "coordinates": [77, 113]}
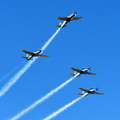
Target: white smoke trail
{"type": "Point", "coordinates": [63, 108]}
{"type": "Point", "coordinates": [48, 42]}
{"type": "Point", "coordinates": [43, 98]}
{"type": "Point", "coordinates": [7, 75]}
{"type": "Point", "coordinates": [14, 79]}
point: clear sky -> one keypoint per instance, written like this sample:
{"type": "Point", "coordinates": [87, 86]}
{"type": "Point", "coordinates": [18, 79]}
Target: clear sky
{"type": "Point", "coordinates": [91, 41]}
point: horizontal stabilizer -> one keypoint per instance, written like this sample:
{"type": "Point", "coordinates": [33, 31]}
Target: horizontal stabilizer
{"type": "Point", "coordinates": [24, 57]}
{"type": "Point", "coordinates": [82, 94]}
{"type": "Point", "coordinates": [60, 26]}
{"type": "Point", "coordinates": [27, 58]}
{"type": "Point", "coordinates": [74, 75]}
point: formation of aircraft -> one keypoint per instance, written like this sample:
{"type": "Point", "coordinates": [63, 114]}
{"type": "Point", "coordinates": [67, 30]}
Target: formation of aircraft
{"type": "Point", "coordinates": [83, 71]}
{"type": "Point", "coordinates": [91, 91]}
{"type": "Point", "coordinates": [67, 19]}
{"type": "Point", "coordinates": [77, 72]}
{"type": "Point", "coordinates": [30, 55]}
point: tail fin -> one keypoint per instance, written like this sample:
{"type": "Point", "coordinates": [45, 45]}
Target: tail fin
{"type": "Point", "coordinates": [60, 25]}
{"type": "Point", "coordinates": [82, 93]}
{"type": "Point", "coordinates": [27, 58]}
{"type": "Point", "coordinates": [75, 74]}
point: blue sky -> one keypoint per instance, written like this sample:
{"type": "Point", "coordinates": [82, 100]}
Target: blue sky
{"type": "Point", "coordinates": [92, 41]}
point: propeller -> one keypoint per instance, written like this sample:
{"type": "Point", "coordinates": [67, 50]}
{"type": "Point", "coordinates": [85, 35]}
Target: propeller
{"type": "Point", "coordinates": [97, 89]}
{"type": "Point", "coordinates": [74, 11]}
{"type": "Point", "coordinates": [89, 68]}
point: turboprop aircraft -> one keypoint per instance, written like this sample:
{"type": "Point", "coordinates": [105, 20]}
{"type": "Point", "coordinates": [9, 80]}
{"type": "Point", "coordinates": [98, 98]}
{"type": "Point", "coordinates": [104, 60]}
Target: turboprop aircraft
{"type": "Point", "coordinates": [91, 91]}
{"type": "Point", "coordinates": [83, 71]}
{"type": "Point", "coordinates": [67, 19]}
{"type": "Point", "coordinates": [30, 55]}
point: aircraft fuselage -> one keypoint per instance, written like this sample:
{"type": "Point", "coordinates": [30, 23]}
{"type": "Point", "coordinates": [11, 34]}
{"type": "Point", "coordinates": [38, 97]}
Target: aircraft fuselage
{"type": "Point", "coordinates": [69, 18]}
{"type": "Point", "coordinates": [31, 56]}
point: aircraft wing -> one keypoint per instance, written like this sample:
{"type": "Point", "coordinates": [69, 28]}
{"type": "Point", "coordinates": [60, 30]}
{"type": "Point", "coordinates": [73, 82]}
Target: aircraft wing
{"type": "Point", "coordinates": [41, 55]}
{"type": "Point", "coordinates": [80, 71]}
{"type": "Point", "coordinates": [97, 93]}
{"type": "Point", "coordinates": [62, 18]}
{"type": "Point", "coordinates": [84, 90]}
{"type": "Point", "coordinates": [76, 18]}
{"type": "Point", "coordinates": [88, 73]}
{"type": "Point", "coordinates": [30, 53]}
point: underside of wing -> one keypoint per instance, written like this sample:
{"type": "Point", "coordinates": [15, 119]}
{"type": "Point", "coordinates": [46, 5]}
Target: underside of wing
{"type": "Point", "coordinates": [76, 70]}
{"type": "Point", "coordinates": [62, 18]}
{"type": "Point", "coordinates": [88, 73]}
{"type": "Point", "coordinates": [98, 93]}
{"type": "Point", "coordinates": [42, 55]}
{"type": "Point", "coordinates": [76, 18]}
{"type": "Point", "coordinates": [84, 90]}
{"type": "Point", "coordinates": [30, 53]}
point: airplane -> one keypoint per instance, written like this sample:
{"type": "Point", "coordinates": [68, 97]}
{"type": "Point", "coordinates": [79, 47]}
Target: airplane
{"type": "Point", "coordinates": [30, 55]}
{"type": "Point", "coordinates": [67, 19]}
{"type": "Point", "coordinates": [83, 71]}
{"type": "Point", "coordinates": [91, 91]}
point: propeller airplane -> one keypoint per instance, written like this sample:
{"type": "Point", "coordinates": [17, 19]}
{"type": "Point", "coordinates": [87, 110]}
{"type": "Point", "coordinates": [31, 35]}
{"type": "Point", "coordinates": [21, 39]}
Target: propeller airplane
{"type": "Point", "coordinates": [91, 91]}
{"type": "Point", "coordinates": [30, 55]}
{"type": "Point", "coordinates": [83, 71]}
{"type": "Point", "coordinates": [67, 19]}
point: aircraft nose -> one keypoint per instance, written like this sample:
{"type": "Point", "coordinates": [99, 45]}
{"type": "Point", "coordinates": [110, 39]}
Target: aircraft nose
{"type": "Point", "coordinates": [75, 13]}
